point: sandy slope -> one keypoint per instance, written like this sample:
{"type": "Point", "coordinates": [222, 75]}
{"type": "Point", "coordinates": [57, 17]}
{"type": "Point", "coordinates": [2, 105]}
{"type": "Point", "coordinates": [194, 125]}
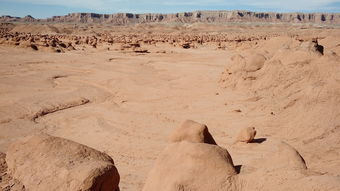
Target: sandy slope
{"type": "Point", "coordinates": [126, 104]}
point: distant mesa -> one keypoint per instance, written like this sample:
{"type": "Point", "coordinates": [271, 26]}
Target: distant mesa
{"type": "Point", "coordinates": [186, 17]}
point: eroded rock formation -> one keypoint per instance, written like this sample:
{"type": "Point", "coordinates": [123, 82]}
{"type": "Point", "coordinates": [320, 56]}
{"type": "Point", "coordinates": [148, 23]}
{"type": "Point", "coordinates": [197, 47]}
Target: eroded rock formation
{"type": "Point", "coordinates": [187, 17]}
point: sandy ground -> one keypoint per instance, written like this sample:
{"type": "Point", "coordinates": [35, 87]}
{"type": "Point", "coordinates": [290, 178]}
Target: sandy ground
{"type": "Point", "coordinates": [135, 100]}
{"type": "Point", "coordinates": [127, 104]}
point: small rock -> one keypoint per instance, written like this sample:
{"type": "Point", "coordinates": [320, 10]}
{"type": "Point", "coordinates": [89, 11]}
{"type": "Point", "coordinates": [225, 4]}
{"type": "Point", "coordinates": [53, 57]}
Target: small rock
{"type": "Point", "coordinates": [246, 135]}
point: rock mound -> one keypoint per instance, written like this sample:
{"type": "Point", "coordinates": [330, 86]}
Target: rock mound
{"type": "Point", "coordinates": [44, 162]}
{"type": "Point", "coordinates": [246, 135]}
{"type": "Point", "coordinates": [286, 157]}
{"type": "Point", "coordinates": [281, 167]}
{"type": "Point", "coordinates": [297, 78]}
{"type": "Point", "coordinates": [192, 166]}
{"type": "Point", "coordinates": [192, 131]}
{"type": "Point", "coordinates": [311, 45]}
{"type": "Point", "coordinates": [242, 68]}
{"type": "Point", "coordinates": [249, 61]}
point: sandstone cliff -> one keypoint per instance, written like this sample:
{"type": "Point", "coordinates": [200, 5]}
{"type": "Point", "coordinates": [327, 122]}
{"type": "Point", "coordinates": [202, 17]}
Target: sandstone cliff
{"type": "Point", "coordinates": [187, 17]}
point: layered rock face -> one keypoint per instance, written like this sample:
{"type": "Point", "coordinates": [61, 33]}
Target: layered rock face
{"type": "Point", "coordinates": [187, 17]}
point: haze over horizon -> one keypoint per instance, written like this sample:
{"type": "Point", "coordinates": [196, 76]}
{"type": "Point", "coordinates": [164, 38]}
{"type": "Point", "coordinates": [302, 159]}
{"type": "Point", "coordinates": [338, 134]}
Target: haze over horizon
{"type": "Point", "coordinates": [48, 8]}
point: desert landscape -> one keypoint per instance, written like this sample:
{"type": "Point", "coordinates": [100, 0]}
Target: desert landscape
{"type": "Point", "coordinates": [215, 100]}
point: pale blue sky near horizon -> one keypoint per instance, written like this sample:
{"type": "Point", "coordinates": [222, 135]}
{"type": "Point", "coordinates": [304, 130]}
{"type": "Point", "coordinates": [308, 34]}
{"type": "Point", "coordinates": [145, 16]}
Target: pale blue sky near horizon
{"type": "Point", "coordinates": [48, 8]}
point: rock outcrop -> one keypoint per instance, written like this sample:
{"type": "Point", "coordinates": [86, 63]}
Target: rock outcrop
{"type": "Point", "coordinates": [286, 157]}
{"type": "Point", "coordinates": [43, 162]}
{"type": "Point", "coordinates": [192, 166]}
{"type": "Point", "coordinates": [187, 17]}
{"type": "Point", "coordinates": [7, 182]}
{"type": "Point", "coordinates": [192, 131]}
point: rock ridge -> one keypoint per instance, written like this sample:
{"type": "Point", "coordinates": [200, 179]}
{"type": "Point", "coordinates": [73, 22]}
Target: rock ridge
{"type": "Point", "coordinates": [186, 17]}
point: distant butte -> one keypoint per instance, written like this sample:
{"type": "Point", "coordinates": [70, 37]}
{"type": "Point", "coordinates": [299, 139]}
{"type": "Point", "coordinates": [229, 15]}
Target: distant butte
{"type": "Point", "coordinates": [186, 17]}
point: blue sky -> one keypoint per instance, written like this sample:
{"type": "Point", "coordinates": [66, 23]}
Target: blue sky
{"type": "Point", "coordinates": [48, 8]}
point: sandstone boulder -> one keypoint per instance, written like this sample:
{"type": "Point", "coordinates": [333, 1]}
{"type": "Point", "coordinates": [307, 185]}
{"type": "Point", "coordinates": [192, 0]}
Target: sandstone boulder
{"type": "Point", "coordinates": [286, 157]}
{"type": "Point", "coordinates": [246, 135]}
{"type": "Point", "coordinates": [43, 162]}
{"type": "Point", "coordinates": [311, 45]}
{"type": "Point", "coordinates": [192, 131]}
{"type": "Point", "coordinates": [249, 61]}
{"type": "Point", "coordinates": [192, 166]}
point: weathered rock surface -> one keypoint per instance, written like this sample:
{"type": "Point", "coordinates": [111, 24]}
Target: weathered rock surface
{"type": "Point", "coordinates": [286, 157]}
{"type": "Point", "coordinates": [43, 162]}
{"type": "Point", "coordinates": [192, 166]}
{"type": "Point", "coordinates": [192, 131]}
{"type": "Point", "coordinates": [7, 182]}
{"type": "Point", "coordinates": [186, 17]}
{"type": "Point", "coordinates": [246, 135]}
{"type": "Point", "coordinates": [281, 167]}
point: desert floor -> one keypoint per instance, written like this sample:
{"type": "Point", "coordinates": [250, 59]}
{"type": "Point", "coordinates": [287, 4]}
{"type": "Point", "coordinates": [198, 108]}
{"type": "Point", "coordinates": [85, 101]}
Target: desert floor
{"type": "Point", "coordinates": [135, 100]}
{"type": "Point", "coordinates": [126, 104]}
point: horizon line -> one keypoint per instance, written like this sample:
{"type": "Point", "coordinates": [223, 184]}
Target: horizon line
{"type": "Point", "coordinates": [135, 13]}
